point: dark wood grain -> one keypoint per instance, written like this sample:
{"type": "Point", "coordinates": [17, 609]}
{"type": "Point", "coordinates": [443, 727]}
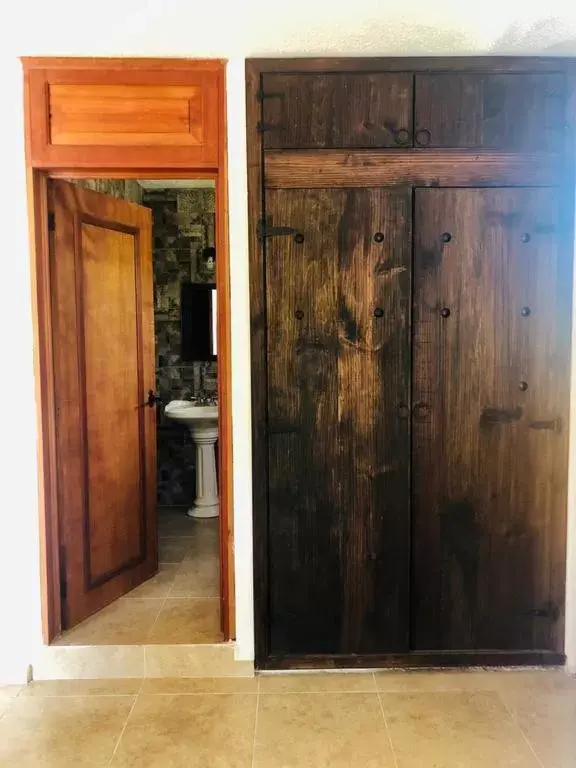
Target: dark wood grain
{"type": "Point", "coordinates": [522, 112]}
{"type": "Point", "coordinates": [311, 111]}
{"type": "Point", "coordinates": [292, 169]}
{"type": "Point", "coordinates": [258, 369]}
{"type": "Point", "coordinates": [338, 370]}
{"type": "Point", "coordinates": [328, 64]}
{"type": "Point", "coordinates": [486, 483]}
{"type": "Point", "coordinates": [417, 660]}
{"type": "Point", "coordinates": [103, 367]}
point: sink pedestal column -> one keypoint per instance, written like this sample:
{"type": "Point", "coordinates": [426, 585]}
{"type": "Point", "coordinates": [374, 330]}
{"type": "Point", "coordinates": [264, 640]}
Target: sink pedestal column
{"type": "Point", "coordinates": [206, 503]}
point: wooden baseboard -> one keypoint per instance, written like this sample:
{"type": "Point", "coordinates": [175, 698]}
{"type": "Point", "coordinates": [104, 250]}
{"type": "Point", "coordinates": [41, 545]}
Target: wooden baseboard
{"type": "Point", "coordinates": [416, 660]}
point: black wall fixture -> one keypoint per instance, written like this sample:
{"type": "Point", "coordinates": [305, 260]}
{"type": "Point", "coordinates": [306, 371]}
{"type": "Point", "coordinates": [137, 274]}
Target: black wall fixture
{"type": "Point", "coordinates": [197, 316]}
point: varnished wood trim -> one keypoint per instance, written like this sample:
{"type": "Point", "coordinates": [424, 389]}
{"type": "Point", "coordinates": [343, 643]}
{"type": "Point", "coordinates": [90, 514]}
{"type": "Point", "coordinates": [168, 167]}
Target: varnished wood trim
{"type": "Point", "coordinates": [258, 368]}
{"type": "Point", "coordinates": [38, 208]}
{"type": "Point", "coordinates": [92, 166]}
{"type": "Point", "coordinates": [417, 660]}
{"type": "Point", "coordinates": [224, 319]}
{"type": "Point", "coordinates": [293, 169]}
{"type": "Point", "coordinates": [414, 64]}
{"type": "Point", "coordinates": [102, 63]}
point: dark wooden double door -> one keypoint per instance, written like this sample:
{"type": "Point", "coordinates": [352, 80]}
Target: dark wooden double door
{"type": "Point", "coordinates": [417, 368]}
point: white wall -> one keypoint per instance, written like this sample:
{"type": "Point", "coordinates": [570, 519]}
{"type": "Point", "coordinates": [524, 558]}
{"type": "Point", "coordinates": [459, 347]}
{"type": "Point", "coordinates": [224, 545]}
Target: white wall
{"type": "Point", "coordinates": [233, 30]}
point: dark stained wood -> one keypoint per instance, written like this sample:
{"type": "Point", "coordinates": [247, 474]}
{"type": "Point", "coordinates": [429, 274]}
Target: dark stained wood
{"type": "Point", "coordinates": [338, 373]}
{"type": "Point", "coordinates": [312, 111]}
{"type": "Point", "coordinates": [417, 660]}
{"type": "Point", "coordinates": [413, 63]}
{"type": "Point", "coordinates": [489, 420]}
{"type": "Point", "coordinates": [103, 367]}
{"type": "Point", "coordinates": [522, 112]}
{"type": "Point", "coordinates": [533, 165]}
{"type": "Point", "coordinates": [293, 169]}
{"type": "Point", "coordinates": [258, 371]}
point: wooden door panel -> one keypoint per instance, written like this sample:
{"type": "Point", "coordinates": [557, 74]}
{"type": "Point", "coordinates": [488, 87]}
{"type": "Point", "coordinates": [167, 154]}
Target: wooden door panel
{"type": "Point", "coordinates": [311, 111]}
{"type": "Point", "coordinates": [111, 114]}
{"type": "Point", "coordinates": [519, 112]}
{"type": "Point", "coordinates": [489, 416]}
{"type": "Point", "coordinates": [104, 366]}
{"type": "Point", "coordinates": [338, 370]}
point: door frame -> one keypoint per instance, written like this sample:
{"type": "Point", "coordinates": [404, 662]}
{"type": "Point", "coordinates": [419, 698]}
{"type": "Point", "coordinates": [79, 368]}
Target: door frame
{"type": "Point", "coordinates": [37, 181]}
{"type": "Point", "coordinates": [280, 169]}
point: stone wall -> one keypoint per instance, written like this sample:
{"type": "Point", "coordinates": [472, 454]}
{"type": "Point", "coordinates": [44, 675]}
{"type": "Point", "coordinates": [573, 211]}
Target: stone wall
{"type": "Point", "coordinates": [183, 224]}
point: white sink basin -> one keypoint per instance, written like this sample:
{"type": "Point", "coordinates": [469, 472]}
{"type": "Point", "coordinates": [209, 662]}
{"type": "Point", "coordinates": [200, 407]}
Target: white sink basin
{"type": "Point", "coordinates": [202, 421]}
{"type": "Point", "coordinates": [192, 415]}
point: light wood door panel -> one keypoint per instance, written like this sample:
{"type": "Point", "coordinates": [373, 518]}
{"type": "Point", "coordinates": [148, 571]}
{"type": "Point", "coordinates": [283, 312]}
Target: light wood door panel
{"type": "Point", "coordinates": [489, 420]}
{"type": "Point", "coordinates": [338, 385]}
{"type": "Point", "coordinates": [104, 367]}
{"type": "Point", "coordinates": [124, 117]}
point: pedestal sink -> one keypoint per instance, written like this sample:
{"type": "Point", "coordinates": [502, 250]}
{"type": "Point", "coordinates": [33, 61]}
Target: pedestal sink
{"type": "Point", "coordinates": [202, 421]}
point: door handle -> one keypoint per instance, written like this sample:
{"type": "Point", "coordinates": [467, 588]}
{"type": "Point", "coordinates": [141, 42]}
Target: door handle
{"type": "Point", "coordinates": [153, 399]}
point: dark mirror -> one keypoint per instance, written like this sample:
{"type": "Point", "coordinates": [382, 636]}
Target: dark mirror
{"type": "Point", "coordinates": [198, 319]}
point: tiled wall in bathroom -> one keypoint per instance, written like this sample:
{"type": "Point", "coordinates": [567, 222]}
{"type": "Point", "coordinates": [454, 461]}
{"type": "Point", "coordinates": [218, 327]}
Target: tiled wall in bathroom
{"type": "Point", "coordinates": [183, 224]}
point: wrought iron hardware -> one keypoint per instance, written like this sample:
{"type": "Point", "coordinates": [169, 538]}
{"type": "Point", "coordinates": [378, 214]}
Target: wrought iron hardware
{"type": "Point", "coordinates": [548, 611]}
{"type": "Point", "coordinates": [262, 94]}
{"type": "Point", "coordinates": [153, 399]}
{"type": "Point", "coordinates": [261, 127]}
{"type": "Point", "coordinates": [265, 229]}
{"type": "Point", "coordinates": [445, 312]}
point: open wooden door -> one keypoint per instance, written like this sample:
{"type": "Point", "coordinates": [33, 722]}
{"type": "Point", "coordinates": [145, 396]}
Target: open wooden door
{"type": "Point", "coordinates": [101, 265]}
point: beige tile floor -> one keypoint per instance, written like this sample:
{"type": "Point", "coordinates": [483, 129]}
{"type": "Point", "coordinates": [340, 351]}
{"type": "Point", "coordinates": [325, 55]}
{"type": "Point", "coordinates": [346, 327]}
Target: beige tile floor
{"type": "Point", "coordinates": [179, 605]}
{"type": "Point", "coordinates": [524, 719]}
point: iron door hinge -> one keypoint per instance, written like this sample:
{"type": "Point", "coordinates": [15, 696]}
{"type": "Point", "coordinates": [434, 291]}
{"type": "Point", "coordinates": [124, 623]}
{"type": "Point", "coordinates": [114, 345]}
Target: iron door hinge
{"type": "Point", "coordinates": [262, 127]}
{"type": "Point", "coordinates": [261, 95]}
{"type": "Point", "coordinates": [265, 229]}
{"type": "Point", "coordinates": [548, 611]}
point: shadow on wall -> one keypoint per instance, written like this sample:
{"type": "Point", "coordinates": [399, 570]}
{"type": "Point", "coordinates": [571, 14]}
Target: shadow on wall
{"type": "Point", "coordinates": [546, 35]}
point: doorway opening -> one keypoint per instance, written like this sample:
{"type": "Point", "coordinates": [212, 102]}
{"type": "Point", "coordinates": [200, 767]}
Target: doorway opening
{"type": "Point", "coordinates": [181, 602]}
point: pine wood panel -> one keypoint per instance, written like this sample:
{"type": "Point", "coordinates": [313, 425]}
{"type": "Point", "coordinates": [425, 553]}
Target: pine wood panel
{"type": "Point", "coordinates": [293, 169]}
{"type": "Point", "coordinates": [107, 117]}
{"type": "Point", "coordinates": [338, 376]}
{"type": "Point", "coordinates": [519, 111]}
{"type": "Point", "coordinates": [489, 421]}
{"type": "Point", "coordinates": [104, 367]}
{"type": "Point", "coordinates": [312, 111]}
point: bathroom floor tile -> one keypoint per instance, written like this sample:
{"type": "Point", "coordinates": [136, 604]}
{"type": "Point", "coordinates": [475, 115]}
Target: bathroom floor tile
{"type": "Point", "coordinates": [317, 682]}
{"type": "Point", "coordinates": [321, 730]}
{"type": "Point", "coordinates": [548, 720]}
{"type": "Point", "coordinates": [62, 732]}
{"type": "Point", "coordinates": [158, 586]}
{"type": "Point", "coordinates": [175, 522]}
{"type": "Point", "coordinates": [123, 622]}
{"type": "Point", "coordinates": [172, 550]}
{"type": "Point", "coordinates": [449, 729]}
{"type": "Point", "coordinates": [202, 731]}
{"type": "Point", "coordinates": [198, 577]}
{"type": "Point", "coordinates": [187, 620]}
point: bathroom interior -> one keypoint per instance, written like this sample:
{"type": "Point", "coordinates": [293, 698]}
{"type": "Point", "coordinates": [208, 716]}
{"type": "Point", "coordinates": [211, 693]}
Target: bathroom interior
{"type": "Point", "coordinates": [181, 604]}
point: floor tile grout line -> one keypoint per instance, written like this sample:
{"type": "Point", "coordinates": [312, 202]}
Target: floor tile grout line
{"type": "Point", "coordinates": [386, 726]}
{"type": "Point", "coordinates": [255, 726]}
{"type": "Point", "coordinates": [519, 727]}
{"type": "Point", "coordinates": [136, 696]}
